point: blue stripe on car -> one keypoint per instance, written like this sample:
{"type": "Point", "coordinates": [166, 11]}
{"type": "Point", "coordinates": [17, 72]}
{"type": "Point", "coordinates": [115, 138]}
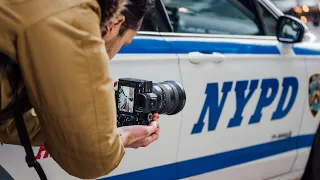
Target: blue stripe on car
{"type": "Point", "coordinates": [219, 161]}
{"type": "Point", "coordinates": [158, 46]}
{"type": "Point", "coordinates": [222, 160]}
{"type": "Point", "coordinates": [304, 51]}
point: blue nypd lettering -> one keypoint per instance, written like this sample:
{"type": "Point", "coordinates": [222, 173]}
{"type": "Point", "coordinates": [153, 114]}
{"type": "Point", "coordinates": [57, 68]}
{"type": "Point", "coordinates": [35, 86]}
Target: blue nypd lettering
{"type": "Point", "coordinates": [244, 90]}
{"type": "Point", "coordinates": [242, 100]}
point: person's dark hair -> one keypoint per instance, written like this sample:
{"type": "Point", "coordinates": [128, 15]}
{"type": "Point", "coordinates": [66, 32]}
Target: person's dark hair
{"type": "Point", "coordinates": [108, 9]}
{"type": "Point", "coordinates": [134, 12]}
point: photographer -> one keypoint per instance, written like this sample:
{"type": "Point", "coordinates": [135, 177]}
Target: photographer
{"type": "Point", "coordinates": [62, 49]}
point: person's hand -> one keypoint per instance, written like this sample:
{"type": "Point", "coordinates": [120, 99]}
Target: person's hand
{"type": "Point", "coordinates": [140, 136]}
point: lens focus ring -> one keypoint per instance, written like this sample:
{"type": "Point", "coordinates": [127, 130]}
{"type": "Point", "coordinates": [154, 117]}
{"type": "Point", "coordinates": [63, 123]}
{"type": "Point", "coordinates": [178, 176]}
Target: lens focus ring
{"type": "Point", "coordinates": [166, 99]}
{"type": "Point", "coordinates": [182, 97]}
{"type": "Point", "coordinates": [175, 98]}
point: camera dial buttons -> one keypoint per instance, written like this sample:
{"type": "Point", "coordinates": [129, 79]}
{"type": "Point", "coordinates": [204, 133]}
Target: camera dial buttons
{"type": "Point", "coordinates": [122, 119]}
{"type": "Point", "coordinates": [150, 117]}
{"type": "Point", "coordinates": [132, 118]}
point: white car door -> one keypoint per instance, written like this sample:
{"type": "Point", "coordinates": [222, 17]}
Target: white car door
{"type": "Point", "coordinates": [245, 91]}
{"type": "Point", "coordinates": [150, 57]}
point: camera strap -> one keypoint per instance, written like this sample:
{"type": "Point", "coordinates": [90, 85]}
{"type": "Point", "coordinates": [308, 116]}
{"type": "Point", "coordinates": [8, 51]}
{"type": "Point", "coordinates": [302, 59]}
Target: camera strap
{"type": "Point", "coordinates": [16, 111]}
{"type": "Point", "coordinates": [25, 142]}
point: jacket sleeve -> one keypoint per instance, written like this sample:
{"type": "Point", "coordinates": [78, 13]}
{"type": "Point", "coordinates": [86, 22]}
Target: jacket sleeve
{"type": "Point", "coordinates": [65, 67]}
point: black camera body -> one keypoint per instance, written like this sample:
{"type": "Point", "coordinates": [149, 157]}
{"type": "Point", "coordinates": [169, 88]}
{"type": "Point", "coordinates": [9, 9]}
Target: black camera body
{"type": "Point", "coordinates": [137, 100]}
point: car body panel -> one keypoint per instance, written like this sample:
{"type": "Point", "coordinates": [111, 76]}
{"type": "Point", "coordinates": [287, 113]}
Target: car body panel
{"type": "Point", "coordinates": [309, 123]}
{"type": "Point", "coordinates": [224, 147]}
{"type": "Point", "coordinates": [246, 64]}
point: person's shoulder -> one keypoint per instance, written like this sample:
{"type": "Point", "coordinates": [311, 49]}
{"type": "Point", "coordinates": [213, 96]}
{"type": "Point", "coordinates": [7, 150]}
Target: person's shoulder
{"type": "Point", "coordinates": [36, 11]}
{"type": "Point", "coordinates": [83, 15]}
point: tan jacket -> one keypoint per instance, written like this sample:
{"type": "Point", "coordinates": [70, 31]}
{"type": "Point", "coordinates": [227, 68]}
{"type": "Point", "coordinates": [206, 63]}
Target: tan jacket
{"type": "Point", "coordinates": [65, 67]}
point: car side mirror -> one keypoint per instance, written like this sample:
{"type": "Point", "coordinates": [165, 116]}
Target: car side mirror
{"type": "Point", "coordinates": [290, 29]}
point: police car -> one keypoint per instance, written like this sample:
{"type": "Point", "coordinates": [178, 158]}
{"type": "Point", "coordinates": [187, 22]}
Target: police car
{"type": "Point", "coordinates": [252, 79]}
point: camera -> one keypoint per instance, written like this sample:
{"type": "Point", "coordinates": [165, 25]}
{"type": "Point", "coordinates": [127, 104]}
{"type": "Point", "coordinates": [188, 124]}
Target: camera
{"type": "Point", "coordinates": [137, 100]}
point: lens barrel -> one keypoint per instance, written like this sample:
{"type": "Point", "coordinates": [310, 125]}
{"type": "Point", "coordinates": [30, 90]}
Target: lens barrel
{"type": "Point", "coordinates": [171, 97]}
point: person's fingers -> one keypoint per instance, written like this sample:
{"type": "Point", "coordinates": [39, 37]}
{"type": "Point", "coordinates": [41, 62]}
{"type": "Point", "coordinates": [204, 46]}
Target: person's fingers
{"type": "Point", "coordinates": [154, 124]}
{"type": "Point", "coordinates": [145, 142]}
{"type": "Point", "coordinates": [143, 135]}
{"type": "Point", "coordinates": [140, 132]}
{"type": "Point", "coordinates": [150, 139]}
{"type": "Point", "coordinates": [158, 126]}
{"type": "Point", "coordinates": [155, 116]}
{"type": "Point", "coordinates": [158, 131]}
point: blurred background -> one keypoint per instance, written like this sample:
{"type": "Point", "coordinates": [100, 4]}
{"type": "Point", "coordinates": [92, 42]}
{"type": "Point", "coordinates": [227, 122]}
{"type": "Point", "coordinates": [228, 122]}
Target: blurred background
{"type": "Point", "coordinates": [306, 10]}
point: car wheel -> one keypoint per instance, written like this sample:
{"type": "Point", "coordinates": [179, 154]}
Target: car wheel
{"type": "Point", "coordinates": [312, 169]}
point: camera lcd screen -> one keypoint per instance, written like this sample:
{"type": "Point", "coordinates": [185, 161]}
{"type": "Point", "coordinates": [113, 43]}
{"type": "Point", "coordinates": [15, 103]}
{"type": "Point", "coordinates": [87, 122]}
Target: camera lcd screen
{"type": "Point", "coordinates": [126, 99]}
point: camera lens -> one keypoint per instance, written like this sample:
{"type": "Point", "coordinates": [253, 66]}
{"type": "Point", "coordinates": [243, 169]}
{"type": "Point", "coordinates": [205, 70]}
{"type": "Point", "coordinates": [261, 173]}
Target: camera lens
{"type": "Point", "coordinates": [171, 97]}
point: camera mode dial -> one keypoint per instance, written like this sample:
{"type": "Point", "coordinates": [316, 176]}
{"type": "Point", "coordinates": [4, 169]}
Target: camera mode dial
{"type": "Point", "coordinates": [121, 119]}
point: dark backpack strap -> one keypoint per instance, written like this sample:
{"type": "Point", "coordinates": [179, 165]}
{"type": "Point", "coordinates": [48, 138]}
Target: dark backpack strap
{"type": "Point", "coordinates": [19, 105]}
{"type": "Point", "coordinates": [25, 142]}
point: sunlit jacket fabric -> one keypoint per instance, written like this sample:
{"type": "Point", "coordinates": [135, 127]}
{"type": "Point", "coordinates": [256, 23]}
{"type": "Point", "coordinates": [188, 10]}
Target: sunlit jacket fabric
{"type": "Point", "coordinates": [58, 45]}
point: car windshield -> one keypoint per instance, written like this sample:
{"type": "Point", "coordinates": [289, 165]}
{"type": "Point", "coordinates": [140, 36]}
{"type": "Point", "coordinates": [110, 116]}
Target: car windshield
{"type": "Point", "coordinates": [197, 6]}
{"type": "Point", "coordinates": [213, 16]}
{"type": "Point", "coordinates": [214, 7]}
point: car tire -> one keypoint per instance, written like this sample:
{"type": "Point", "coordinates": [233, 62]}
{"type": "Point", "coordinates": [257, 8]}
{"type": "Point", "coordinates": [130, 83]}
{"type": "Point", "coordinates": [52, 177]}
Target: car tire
{"type": "Point", "coordinates": [312, 169]}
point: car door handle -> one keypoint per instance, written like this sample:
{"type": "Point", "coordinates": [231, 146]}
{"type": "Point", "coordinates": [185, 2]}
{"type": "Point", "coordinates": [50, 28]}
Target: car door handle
{"type": "Point", "coordinates": [198, 57]}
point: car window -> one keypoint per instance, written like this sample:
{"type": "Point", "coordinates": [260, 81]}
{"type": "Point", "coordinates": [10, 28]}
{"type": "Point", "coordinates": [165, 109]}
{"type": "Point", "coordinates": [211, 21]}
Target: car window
{"type": "Point", "coordinates": [308, 2]}
{"type": "Point", "coordinates": [145, 26]}
{"type": "Point", "coordinates": [269, 21]}
{"type": "Point", "coordinates": [157, 21]}
{"type": "Point", "coordinates": [212, 17]}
